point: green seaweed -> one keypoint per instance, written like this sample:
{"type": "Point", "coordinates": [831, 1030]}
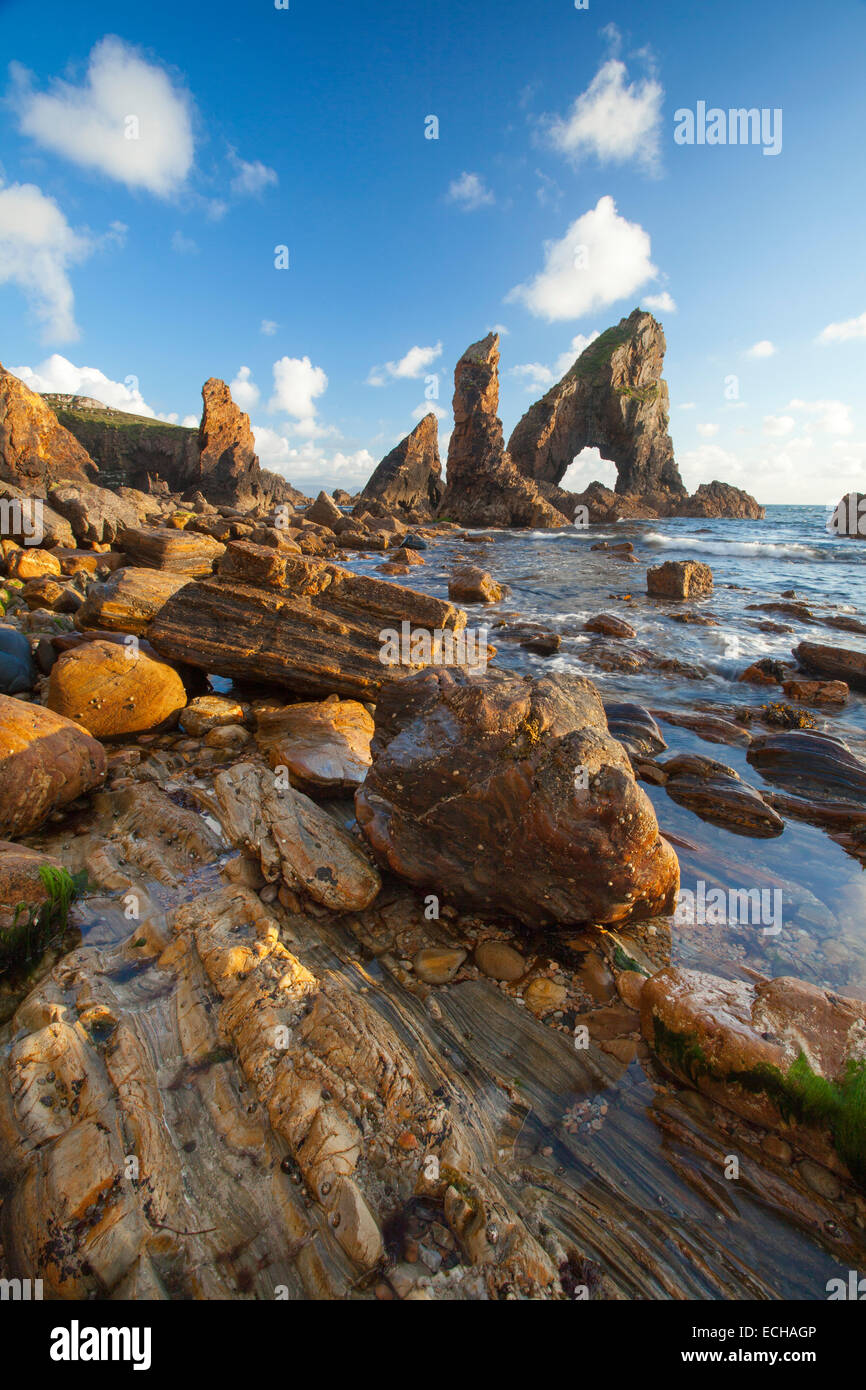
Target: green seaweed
{"type": "Point", "coordinates": [800, 1095]}
{"type": "Point", "coordinates": [35, 925]}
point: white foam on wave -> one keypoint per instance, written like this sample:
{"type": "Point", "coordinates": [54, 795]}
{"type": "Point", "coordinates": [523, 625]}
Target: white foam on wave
{"type": "Point", "coordinates": [749, 549]}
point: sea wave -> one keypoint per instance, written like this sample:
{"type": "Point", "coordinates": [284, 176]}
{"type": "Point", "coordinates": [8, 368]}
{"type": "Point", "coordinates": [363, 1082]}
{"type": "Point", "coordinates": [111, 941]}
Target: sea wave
{"type": "Point", "coordinates": [752, 549]}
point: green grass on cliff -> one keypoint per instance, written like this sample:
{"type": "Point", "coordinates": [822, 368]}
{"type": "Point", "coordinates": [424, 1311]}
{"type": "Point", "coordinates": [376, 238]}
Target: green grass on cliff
{"type": "Point", "coordinates": [115, 419]}
{"type": "Point", "coordinates": [599, 352]}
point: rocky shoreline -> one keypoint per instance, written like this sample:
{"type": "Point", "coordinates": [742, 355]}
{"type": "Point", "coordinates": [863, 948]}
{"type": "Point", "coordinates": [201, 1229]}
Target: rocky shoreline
{"type": "Point", "coordinates": [352, 976]}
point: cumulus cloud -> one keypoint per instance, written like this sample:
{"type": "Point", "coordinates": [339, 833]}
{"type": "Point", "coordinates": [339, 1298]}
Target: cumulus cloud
{"type": "Point", "coordinates": [777, 425]}
{"type": "Point", "coordinates": [428, 408]}
{"type": "Point", "coordinates": [660, 303]}
{"type": "Point", "coordinates": [244, 391]}
{"type": "Point", "coordinates": [59, 375]}
{"type": "Point", "coordinates": [310, 467]}
{"type": "Point", "coordinates": [411, 366]}
{"type": "Point", "coordinates": [832, 417]}
{"type": "Point", "coordinates": [843, 332]}
{"type": "Point", "coordinates": [297, 384]}
{"type": "Point", "coordinates": [762, 349]}
{"type": "Point", "coordinates": [615, 120]}
{"type": "Point", "coordinates": [37, 248]}
{"type": "Point", "coordinates": [128, 119]}
{"type": "Point", "coordinates": [470, 192]}
{"type": "Point", "coordinates": [536, 375]}
{"type": "Point", "coordinates": [601, 258]}
{"type": "Point", "coordinates": [251, 178]}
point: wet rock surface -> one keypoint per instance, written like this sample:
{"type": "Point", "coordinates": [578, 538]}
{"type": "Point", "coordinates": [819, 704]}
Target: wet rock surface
{"type": "Point", "coordinates": [514, 795]}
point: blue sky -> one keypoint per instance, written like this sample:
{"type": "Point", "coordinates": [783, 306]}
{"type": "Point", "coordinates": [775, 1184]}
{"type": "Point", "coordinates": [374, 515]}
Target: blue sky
{"type": "Point", "coordinates": [554, 200]}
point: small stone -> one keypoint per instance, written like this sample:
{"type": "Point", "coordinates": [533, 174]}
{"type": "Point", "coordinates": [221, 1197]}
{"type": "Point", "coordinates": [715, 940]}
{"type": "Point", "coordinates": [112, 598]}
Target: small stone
{"type": "Point", "coordinates": [436, 966]}
{"type": "Point", "coordinates": [499, 962]}
{"type": "Point", "coordinates": [543, 995]}
{"type": "Point", "coordinates": [821, 1180]}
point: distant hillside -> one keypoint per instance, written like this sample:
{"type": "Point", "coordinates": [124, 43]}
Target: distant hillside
{"type": "Point", "coordinates": [127, 448]}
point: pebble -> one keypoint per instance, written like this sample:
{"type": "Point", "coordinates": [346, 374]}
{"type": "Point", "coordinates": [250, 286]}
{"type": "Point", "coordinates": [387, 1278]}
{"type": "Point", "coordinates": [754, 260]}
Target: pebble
{"type": "Point", "coordinates": [499, 962]}
{"type": "Point", "coordinates": [821, 1180]}
{"type": "Point", "coordinates": [543, 995]}
{"type": "Point", "coordinates": [436, 966]}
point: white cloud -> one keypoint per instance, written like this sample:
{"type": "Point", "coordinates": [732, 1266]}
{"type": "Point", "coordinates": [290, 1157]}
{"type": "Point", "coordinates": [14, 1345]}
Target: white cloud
{"type": "Point", "coordinates": [269, 327]}
{"type": "Point", "coordinates": [843, 332]}
{"type": "Point", "coordinates": [762, 349]}
{"type": "Point", "coordinates": [127, 119]}
{"type": "Point", "coordinates": [244, 390]}
{"type": "Point", "coordinates": [470, 192]}
{"type": "Point", "coordinates": [184, 245]}
{"type": "Point", "coordinates": [660, 303]}
{"type": "Point", "coordinates": [428, 408]}
{"type": "Point", "coordinates": [308, 466]}
{"type": "Point", "coordinates": [707, 430]}
{"type": "Point", "coordinates": [601, 258]}
{"type": "Point", "coordinates": [37, 248]}
{"type": "Point", "coordinates": [59, 375]}
{"type": "Point", "coordinates": [251, 179]}
{"type": "Point", "coordinates": [615, 120]}
{"type": "Point", "coordinates": [297, 383]}
{"type": "Point", "coordinates": [500, 329]}
{"type": "Point", "coordinates": [537, 375]}
{"type": "Point", "coordinates": [687, 405]}
{"type": "Point", "coordinates": [777, 425]}
{"type": "Point", "coordinates": [588, 467]}
{"type": "Point", "coordinates": [413, 365]}
{"type": "Point", "coordinates": [833, 417]}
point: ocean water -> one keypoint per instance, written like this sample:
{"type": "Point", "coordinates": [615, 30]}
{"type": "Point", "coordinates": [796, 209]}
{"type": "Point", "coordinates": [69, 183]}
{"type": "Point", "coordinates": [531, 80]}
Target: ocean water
{"type": "Point", "coordinates": [558, 581]}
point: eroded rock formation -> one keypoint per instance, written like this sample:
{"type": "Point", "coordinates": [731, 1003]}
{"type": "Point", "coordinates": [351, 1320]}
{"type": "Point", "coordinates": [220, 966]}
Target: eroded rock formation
{"type": "Point", "coordinates": [614, 399]}
{"type": "Point", "coordinates": [483, 487]}
{"type": "Point", "coordinates": [410, 477]}
{"type": "Point", "coordinates": [35, 449]}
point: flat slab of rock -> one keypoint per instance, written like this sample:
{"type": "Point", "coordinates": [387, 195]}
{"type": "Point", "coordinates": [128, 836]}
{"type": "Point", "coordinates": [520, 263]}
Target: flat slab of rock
{"type": "Point", "coordinates": [750, 1047]}
{"type": "Point", "coordinates": [164, 548]}
{"type": "Point", "coordinates": [294, 839]}
{"type": "Point", "coordinates": [46, 761]}
{"type": "Point", "coordinates": [297, 622]}
{"type": "Point", "coordinates": [510, 795]}
{"type": "Point", "coordinates": [129, 600]}
{"type": "Point", "coordinates": [718, 794]}
{"type": "Point", "coordinates": [679, 579]}
{"type": "Point", "coordinates": [325, 746]}
{"type": "Point", "coordinates": [115, 691]}
{"type": "Point", "coordinates": [837, 663]}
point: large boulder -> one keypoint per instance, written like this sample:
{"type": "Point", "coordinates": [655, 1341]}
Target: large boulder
{"type": "Point", "coordinates": [313, 627]}
{"type": "Point", "coordinates": [166, 548]}
{"type": "Point", "coordinates": [35, 449]}
{"type": "Point", "coordinates": [115, 691]}
{"type": "Point", "coordinates": [27, 519]}
{"type": "Point", "coordinates": [325, 745]}
{"type": "Point", "coordinates": [94, 513]}
{"type": "Point", "coordinates": [46, 761]}
{"type": "Point", "coordinates": [838, 663]}
{"type": "Point", "coordinates": [483, 486]}
{"type": "Point", "coordinates": [509, 795]}
{"type": "Point", "coordinates": [410, 477]}
{"type": "Point", "coordinates": [129, 600]}
{"type": "Point", "coordinates": [16, 664]}
{"type": "Point", "coordinates": [679, 579]}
